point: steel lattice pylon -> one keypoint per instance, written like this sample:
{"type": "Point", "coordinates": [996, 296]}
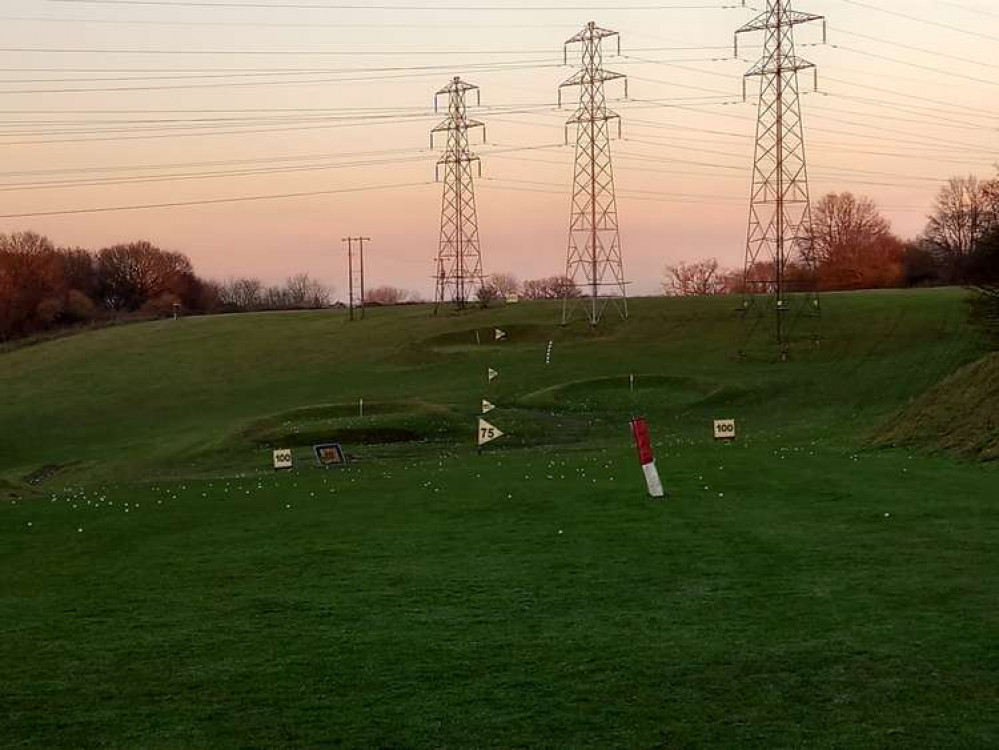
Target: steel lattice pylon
{"type": "Point", "coordinates": [780, 219]}
{"type": "Point", "coordinates": [593, 264]}
{"type": "Point", "coordinates": [459, 259]}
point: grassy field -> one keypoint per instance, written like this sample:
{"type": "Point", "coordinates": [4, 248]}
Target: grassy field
{"type": "Point", "coordinates": [162, 588]}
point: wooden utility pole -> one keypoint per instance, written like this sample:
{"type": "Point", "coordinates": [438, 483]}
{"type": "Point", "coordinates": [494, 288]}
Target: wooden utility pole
{"type": "Point", "coordinates": [360, 271]}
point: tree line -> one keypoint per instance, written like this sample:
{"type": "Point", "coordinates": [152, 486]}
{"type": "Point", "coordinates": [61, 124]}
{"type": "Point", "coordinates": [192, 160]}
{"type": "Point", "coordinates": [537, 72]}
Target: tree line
{"type": "Point", "coordinates": [44, 287]}
{"type": "Point", "coordinates": [851, 246]}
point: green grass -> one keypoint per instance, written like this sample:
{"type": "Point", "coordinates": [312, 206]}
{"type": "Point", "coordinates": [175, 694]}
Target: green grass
{"type": "Point", "coordinates": [960, 415]}
{"type": "Point", "coordinates": [797, 589]}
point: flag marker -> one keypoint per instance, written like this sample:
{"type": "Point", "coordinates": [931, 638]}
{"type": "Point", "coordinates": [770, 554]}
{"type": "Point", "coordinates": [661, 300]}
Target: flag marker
{"type": "Point", "coordinates": [640, 429]}
{"type": "Point", "coordinates": [487, 407]}
{"type": "Point", "coordinates": [488, 433]}
{"type": "Point", "coordinates": [500, 335]}
{"type": "Point", "coordinates": [492, 374]}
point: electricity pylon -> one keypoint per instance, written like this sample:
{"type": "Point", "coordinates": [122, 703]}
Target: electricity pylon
{"type": "Point", "coordinates": [593, 263]}
{"type": "Point", "coordinates": [459, 259]}
{"type": "Point", "coordinates": [779, 272]}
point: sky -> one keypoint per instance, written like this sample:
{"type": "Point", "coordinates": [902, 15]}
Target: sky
{"type": "Point", "coordinates": [108, 104]}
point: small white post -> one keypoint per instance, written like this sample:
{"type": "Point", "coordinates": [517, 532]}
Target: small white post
{"type": "Point", "coordinates": [360, 407]}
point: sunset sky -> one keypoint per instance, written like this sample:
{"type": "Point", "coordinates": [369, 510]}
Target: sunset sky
{"type": "Point", "coordinates": [118, 103]}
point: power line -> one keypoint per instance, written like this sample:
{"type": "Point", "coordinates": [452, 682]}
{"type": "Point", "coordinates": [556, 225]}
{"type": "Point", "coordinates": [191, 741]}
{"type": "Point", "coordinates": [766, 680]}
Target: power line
{"type": "Point", "coordinates": [211, 201]}
{"type": "Point", "coordinates": [398, 7]}
{"type": "Point", "coordinates": [970, 8]}
{"type": "Point", "coordinates": [920, 66]}
{"type": "Point", "coordinates": [927, 21]}
{"type": "Point", "coordinates": [268, 24]}
{"type": "Point", "coordinates": [267, 52]}
{"type": "Point", "coordinates": [921, 50]}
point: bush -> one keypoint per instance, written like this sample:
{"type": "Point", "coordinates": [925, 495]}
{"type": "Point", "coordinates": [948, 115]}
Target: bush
{"type": "Point", "coordinates": [162, 306]}
{"type": "Point", "coordinates": [487, 294]}
{"type": "Point", "coordinates": [49, 311]}
{"type": "Point", "coordinates": [79, 307]}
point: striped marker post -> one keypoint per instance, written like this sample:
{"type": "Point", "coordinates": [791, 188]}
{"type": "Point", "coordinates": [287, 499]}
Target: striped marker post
{"type": "Point", "coordinates": [640, 429]}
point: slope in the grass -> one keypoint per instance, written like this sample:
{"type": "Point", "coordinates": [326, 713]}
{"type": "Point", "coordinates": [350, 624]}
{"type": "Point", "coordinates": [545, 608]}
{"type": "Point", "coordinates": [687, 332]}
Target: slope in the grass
{"type": "Point", "coordinates": [960, 415]}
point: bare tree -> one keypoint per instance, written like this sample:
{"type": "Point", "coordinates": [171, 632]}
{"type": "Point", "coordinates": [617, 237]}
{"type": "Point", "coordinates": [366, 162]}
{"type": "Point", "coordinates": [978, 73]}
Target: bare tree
{"type": "Point", "coordinates": [702, 278]}
{"type": "Point", "coordinates": [487, 294]}
{"type": "Point", "coordinates": [964, 212]}
{"type": "Point", "coordinates": [241, 294]}
{"type": "Point", "coordinates": [80, 270]}
{"type": "Point", "coordinates": [551, 287]}
{"type": "Point", "coordinates": [131, 275]}
{"type": "Point", "coordinates": [302, 291]}
{"type": "Point", "coordinates": [505, 284]}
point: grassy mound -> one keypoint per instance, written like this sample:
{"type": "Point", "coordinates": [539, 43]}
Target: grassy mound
{"type": "Point", "coordinates": [136, 401]}
{"type": "Point", "coordinates": [618, 393]}
{"type": "Point", "coordinates": [960, 415]}
{"type": "Point", "coordinates": [379, 423]}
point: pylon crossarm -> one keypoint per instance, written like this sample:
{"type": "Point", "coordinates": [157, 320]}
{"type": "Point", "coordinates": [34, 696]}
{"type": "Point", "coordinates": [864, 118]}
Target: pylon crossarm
{"type": "Point", "coordinates": [584, 78]}
{"type": "Point", "coordinates": [767, 21]}
{"type": "Point", "coordinates": [457, 86]}
{"type": "Point", "coordinates": [788, 64]}
{"type": "Point", "coordinates": [582, 116]}
{"type": "Point", "coordinates": [591, 33]}
{"type": "Point", "coordinates": [449, 125]}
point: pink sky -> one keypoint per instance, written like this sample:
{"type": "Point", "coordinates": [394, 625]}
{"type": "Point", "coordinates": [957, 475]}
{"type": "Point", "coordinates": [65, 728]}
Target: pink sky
{"type": "Point", "coordinates": [890, 121]}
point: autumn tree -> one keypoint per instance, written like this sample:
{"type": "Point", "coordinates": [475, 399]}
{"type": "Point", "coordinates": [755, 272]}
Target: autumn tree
{"type": "Point", "coordinates": [852, 244]}
{"type": "Point", "coordinates": [386, 295]}
{"type": "Point", "coordinates": [32, 285]}
{"type": "Point", "coordinates": [842, 222]}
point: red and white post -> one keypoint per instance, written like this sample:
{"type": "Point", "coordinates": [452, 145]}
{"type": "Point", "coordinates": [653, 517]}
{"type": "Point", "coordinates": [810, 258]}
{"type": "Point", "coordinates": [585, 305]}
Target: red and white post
{"type": "Point", "coordinates": [640, 429]}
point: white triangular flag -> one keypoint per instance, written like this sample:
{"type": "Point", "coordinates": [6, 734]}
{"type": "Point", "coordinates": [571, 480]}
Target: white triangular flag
{"type": "Point", "coordinates": [487, 432]}
{"type": "Point", "coordinates": [492, 374]}
{"type": "Point", "coordinates": [487, 407]}
{"type": "Point", "coordinates": [500, 335]}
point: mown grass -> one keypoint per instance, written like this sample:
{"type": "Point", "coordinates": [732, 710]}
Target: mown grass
{"type": "Point", "coordinates": [795, 590]}
{"type": "Point", "coordinates": [959, 416]}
